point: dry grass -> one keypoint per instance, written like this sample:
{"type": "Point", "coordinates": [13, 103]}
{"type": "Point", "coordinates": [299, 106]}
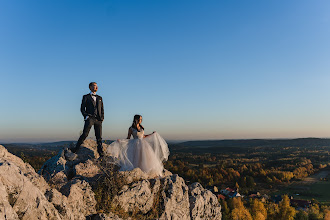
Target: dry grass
{"type": "Point", "coordinates": [109, 185]}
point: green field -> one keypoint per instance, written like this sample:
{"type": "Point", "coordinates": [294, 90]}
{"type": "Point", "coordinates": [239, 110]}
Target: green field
{"type": "Point", "coordinates": [310, 188]}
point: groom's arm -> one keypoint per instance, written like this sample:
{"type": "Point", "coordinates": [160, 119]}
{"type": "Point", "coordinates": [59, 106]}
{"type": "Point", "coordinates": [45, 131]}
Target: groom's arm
{"type": "Point", "coordinates": [102, 111]}
{"type": "Point", "coordinates": [83, 107]}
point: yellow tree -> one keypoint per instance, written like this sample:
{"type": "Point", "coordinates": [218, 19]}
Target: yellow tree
{"type": "Point", "coordinates": [258, 210]}
{"type": "Point", "coordinates": [286, 212]}
{"type": "Point", "coordinates": [239, 212]}
{"type": "Point", "coordinates": [327, 215]}
{"type": "Point", "coordinates": [272, 211]}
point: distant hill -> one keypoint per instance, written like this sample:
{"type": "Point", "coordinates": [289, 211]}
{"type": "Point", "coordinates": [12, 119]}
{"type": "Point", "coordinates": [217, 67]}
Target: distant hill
{"type": "Point", "coordinates": [202, 145]}
{"type": "Point", "coordinates": [236, 145]}
{"type": "Point", "coordinates": [259, 142]}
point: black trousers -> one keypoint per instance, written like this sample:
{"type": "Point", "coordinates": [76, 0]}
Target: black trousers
{"type": "Point", "coordinates": [87, 127]}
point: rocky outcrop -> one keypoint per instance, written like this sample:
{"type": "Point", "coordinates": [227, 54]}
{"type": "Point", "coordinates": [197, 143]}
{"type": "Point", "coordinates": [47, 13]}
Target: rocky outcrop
{"type": "Point", "coordinates": [175, 198]}
{"type": "Point", "coordinates": [23, 191]}
{"type": "Point", "coordinates": [24, 194]}
{"type": "Point", "coordinates": [67, 192]}
{"type": "Point", "coordinates": [58, 170]}
{"type": "Point", "coordinates": [203, 203]}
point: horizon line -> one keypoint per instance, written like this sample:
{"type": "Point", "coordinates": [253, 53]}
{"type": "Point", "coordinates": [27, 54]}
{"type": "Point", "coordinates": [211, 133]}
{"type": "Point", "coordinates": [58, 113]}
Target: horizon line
{"type": "Point", "coordinates": [172, 141]}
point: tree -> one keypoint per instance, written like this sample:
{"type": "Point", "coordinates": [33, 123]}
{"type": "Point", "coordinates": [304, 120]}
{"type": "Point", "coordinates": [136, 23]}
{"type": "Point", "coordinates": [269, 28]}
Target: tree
{"type": "Point", "coordinates": [258, 210]}
{"type": "Point", "coordinates": [301, 215]}
{"type": "Point", "coordinates": [250, 182]}
{"type": "Point", "coordinates": [237, 186]}
{"type": "Point", "coordinates": [286, 212]}
{"type": "Point", "coordinates": [239, 212]}
{"type": "Point", "coordinates": [327, 215]}
{"type": "Point", "coordinates": [225, 210]}
{"type": "Point", "coordinates": [272, 211]}
{"type": "Point", "coordinates": [314, 212]}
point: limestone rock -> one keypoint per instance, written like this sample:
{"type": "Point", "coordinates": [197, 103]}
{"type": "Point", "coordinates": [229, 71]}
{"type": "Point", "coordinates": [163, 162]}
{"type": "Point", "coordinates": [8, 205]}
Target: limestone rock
{"type": "Point", "coordinates": [175, 198]}
{"type": "Point", "coordinates": [57, 170]}
{"type": "Point", "coordinates": [70, 155]}
{"type": "Point", "coordinates": [6, 210]}
{"type": "Point", "coordinates": [166, 173]}
{"type": "Point", "coordinates": [80, 196]}
{"type": "Point", "coordinates": [87, 169]}
{"type": "Point", "coordinates": [24, 194]}
{"type": "Point", "coordinates": [134, 175]}
{"type": "Point", "coordinates": [203, 203]}
{"type": "Point", "coordinates": [21, 192]}
{"type": "Point", "coordinates": [138, 196]}
{"type": "Point", "coordinates": [53, 166]}
{"type": "Point", "coordinates": [103, 216]}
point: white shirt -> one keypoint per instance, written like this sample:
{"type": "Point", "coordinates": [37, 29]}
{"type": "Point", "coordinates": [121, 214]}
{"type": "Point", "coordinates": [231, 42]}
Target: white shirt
{"type": "Point", "coordinates": [94, 97]}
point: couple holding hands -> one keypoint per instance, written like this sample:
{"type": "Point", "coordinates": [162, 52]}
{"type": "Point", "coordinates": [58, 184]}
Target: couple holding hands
{"type": "Point", "coordinates": [144, 151]}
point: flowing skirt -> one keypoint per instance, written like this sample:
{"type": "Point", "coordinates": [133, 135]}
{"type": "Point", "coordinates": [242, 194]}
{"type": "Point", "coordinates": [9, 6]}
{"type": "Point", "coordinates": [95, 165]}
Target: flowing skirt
{"type": "Point", "coordinates": [146, 153]}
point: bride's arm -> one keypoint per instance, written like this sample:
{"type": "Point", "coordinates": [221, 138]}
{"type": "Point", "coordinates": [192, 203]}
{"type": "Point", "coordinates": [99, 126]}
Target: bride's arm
{"type": "Point", "coordinates": [129, 133]}
{"type": "Point", "coordinates": [149, 134]}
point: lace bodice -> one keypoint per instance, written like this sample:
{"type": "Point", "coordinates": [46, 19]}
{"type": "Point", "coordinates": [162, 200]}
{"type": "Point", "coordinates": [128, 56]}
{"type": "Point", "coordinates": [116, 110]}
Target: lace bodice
{"type": "Point", "coordinates": [137, 134]}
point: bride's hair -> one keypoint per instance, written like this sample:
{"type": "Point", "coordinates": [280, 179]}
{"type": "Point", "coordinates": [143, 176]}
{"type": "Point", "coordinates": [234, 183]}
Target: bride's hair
{"type": "Point", "coordinates": [135, 119]}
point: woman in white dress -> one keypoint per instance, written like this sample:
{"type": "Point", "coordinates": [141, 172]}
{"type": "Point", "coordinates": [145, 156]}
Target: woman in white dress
{"type": "Point", "coordinates": [144, 151]}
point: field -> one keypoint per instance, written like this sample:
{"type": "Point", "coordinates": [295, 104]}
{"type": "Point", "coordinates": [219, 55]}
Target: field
{"type": "Point", "coordinates": [312, 187]}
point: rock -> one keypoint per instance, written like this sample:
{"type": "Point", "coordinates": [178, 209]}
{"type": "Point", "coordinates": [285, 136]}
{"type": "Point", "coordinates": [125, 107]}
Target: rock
{"type": "Point", "coordinates": [80, 196]}
{"type": "Point", "coordinates": [87, 169]}
{"type": "Point", "coordinates": [6, 210]}
{"type": "Point", "coordinates": [58, 170]}
{"type": "Point", "coordinates": [175, 198]}
{"type": "Point", "coordinates": [138, 196]}
{"type": "Point", "coordinates": [53, 166]}
{"type": "Point", "coordinates": [134, 175]}
{"type": "Point", "coordinates": [103, 216]}
{"type": "Point", "coordinates": [22, 193]}
{"type": "Point", "coordinates": [88, 150]}
{"type": "Point", "coordinates": [60, 202]}
{"type": "Point", "coordinates": [69, 155]}
{"type": "Point", "coordinates": [166, 173]}
{"type": "Point", "coordinates": [203, 203]}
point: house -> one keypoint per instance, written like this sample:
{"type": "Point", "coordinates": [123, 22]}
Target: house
{"type": "Point", "coordinates": [222, 197]}
{"type": "Point", "coordinates": [254, 193]}
{"type": "Point", "coordinates": [300, 203]}
{"type": "Point", "coordinates": [227, 191]}
{"type": "Point", "coordinates": [234, 194]}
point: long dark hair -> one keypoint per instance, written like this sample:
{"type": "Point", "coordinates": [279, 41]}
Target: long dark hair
{"type": "Point", "coordinates": [134, 124]}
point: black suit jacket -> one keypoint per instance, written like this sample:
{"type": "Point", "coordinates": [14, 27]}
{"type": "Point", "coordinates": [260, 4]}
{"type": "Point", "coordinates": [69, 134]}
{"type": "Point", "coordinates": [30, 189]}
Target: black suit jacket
{"type": "Point", "coordinates": [88, 107]}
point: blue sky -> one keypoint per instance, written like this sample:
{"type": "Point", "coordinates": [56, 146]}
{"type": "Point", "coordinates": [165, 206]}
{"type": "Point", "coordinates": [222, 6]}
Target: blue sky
{"type": "Point", "coordinates": [192, 69]}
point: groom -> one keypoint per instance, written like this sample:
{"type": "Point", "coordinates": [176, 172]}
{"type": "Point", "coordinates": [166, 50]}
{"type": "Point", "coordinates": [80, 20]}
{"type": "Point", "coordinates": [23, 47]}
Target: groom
{"type": "Point", "coordinates": [93, 112]}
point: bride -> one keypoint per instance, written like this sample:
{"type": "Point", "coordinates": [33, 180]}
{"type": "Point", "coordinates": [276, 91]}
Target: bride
{"type": "Point", "coordinates": [144, 151]}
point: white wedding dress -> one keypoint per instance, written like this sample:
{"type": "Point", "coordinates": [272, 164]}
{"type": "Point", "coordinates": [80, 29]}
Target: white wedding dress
{"type": "Point", "coordinates": [146, 153]}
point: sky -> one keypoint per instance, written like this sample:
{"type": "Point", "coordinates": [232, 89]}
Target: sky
{"type": "Point", "coordinates": [224, 69]}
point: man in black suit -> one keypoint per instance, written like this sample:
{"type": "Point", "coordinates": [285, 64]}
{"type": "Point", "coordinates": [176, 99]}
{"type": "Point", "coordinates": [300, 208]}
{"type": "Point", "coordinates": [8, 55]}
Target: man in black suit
{"type": "Point", "coordinates": [93, 112]}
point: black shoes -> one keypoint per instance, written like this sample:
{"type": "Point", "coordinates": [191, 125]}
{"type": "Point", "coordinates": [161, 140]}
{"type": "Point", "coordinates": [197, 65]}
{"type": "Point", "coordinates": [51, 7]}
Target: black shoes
{"type": "Point", "coordinates": [69, 155]}
{"type": "Point", "coordinates": [74, 149]}
{"type": "Point", "coordinates": [100, 151]}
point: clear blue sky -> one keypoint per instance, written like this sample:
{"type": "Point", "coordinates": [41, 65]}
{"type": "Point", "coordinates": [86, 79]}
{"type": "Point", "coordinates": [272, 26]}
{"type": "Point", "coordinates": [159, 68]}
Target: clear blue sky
{"type": "Point", "coordinates": [192, 69]}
